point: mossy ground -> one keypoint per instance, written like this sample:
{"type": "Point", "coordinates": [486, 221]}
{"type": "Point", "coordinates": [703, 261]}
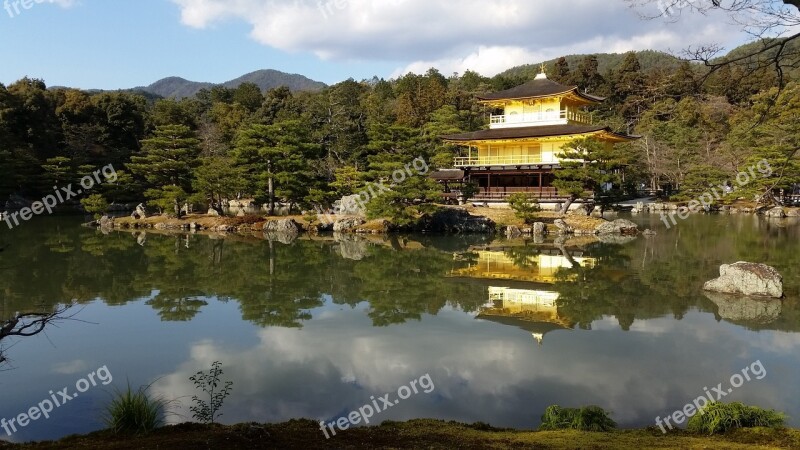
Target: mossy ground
{"type": "Point", "coordinates": [423, 433]}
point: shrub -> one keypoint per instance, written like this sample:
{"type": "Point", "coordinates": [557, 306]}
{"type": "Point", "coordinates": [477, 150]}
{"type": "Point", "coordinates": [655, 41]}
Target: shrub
{"type": "Point", "coordinates": [134, 412]}
{"type": "Point", "coordinates": [209, 382]}
{"type": "Point", "coordinates": [587, 418]}
{"type": "Point", "coordinates": [721, 417]}
{"type": "Point", "coordinates": [524, 207]}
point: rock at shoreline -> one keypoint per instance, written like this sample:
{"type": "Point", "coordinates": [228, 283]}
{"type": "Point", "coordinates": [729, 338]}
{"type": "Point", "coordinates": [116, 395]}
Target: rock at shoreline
{"type": "Point", "coordinates": [106, 222]}
{"type": "Point", "coordinates": [282, 226]}
{"type": "Point", "coordinates": [348, 224]}
{"type": "Point", "coordinates": [513, 232]}
{"type": "Point", "coordinates": [212, 212]}
{"type": "Point", "coordinates": [776, 213]}
{"type": "Point", "coordinates": [749, 279]}
{"type": "Point", "coordinates": [454, 220]}
{"type": "Point", "coordinates": [539, 228]}
{"type": "Point", "coordinates": [562, 226]}
{"type": "Point", "coordinates": [619, 226]}
{"type": "Point", "coordinates": [581, 210]}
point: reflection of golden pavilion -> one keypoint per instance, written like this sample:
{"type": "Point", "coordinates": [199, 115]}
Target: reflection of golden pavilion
{"type": "Point", "coordinates": [541, 268]}
{"type": "Point", "coordinates": [535, 311]}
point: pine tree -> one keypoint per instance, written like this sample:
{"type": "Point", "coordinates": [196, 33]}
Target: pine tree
{"type": "Point", "coordinates": [562, 72]}
{"type": "Point", "coordinates": [168, 157]}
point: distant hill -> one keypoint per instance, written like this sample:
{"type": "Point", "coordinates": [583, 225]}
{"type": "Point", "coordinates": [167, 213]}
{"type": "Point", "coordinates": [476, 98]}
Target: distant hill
{"type": "Point", "coordinates": [265, 79]}
{"type": "Point", "coordinates": [649, 59]}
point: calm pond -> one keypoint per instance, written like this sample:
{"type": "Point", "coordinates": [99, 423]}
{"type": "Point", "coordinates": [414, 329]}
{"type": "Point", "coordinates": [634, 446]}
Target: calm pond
{"type": "Point", "coordinates": [315, 328]}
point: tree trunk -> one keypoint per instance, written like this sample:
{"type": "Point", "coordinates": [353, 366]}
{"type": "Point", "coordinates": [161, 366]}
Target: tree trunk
{"type": "Point", "coordinates": [567, 204]}
{"type": "Point", "coordinates": [271, 190]}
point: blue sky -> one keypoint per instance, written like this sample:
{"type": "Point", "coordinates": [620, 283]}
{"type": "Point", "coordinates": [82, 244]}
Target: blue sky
{"type": "Point", "coordinates": [112, 44]}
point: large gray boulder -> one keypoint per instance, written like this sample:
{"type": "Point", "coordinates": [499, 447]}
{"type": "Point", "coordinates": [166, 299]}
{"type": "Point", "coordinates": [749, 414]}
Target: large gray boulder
{"type": "Point", "coordinates": [513, 232]}
{"type": "Point", "coordinates": [580, 210]}
{"type": "Point", "coordinates": [619, 226]}
{"type": "Point", "coordinates": [562, 226]}
{"type": "Point", "coordinates": [454, 220]}
{"type": "Point", "coordinates": [287, 226]}
{"type": "Point", "coordinates": [348, 224]}
{"type": "Point", "coordinates": [539, 228]}
{"type": "Point", "coordinates": [747, 278]}
{"type": "Point", "coordinates": [776, 213]}
{"type": "Point", "coordinates": [105, 222]}
{"type": "Point", "coordinates": [350, 205]}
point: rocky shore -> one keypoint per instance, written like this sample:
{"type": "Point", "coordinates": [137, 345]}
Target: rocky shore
{"type": "Point", "coordinates": [449, 220]}
{"type": "Point", "coordinates": [778, 212]}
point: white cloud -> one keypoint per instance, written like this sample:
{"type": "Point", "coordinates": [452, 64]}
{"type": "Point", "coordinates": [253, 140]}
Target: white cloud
{"type": "Point", "coordinates": [487, 37]}
{"type": "Point", "coordinates": [481, 370]}
{"type": "Point", "coordinates": [70, 367]}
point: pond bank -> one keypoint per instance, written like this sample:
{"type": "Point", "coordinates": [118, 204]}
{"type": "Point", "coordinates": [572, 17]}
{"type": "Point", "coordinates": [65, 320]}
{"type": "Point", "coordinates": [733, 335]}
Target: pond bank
{"type": "Point", "coordinates": [423, 433]}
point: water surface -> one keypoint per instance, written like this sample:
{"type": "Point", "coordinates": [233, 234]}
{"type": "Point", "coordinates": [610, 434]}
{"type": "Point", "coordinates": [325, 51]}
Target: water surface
{"type": "Point", "coordinates": [315, 327]}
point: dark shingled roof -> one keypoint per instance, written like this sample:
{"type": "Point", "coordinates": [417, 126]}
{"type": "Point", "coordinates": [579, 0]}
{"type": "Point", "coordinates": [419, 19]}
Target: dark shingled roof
{"type": "Point", "coordinates": [538, 88]}
{"type": "Point", "coordinates": [448, 175]}
{"type": "Point", "coordinates": [530, 132]}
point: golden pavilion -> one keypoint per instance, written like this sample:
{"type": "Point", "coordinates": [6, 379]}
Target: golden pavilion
{"type": "Point", "coordinates": [520, 150]}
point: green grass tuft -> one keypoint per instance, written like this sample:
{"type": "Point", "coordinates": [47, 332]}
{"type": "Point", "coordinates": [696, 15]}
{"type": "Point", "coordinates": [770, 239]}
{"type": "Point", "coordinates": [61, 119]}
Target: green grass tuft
{"type": "Point", "coordinates": [587, 418]}
{"type": "Point", "coordinates": [134, 412]}
{"type": "Point", "coordinates": [721, 417]}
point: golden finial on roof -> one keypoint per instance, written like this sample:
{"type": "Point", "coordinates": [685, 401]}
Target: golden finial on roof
{"type": "Point", "coordinates": [543, 74]}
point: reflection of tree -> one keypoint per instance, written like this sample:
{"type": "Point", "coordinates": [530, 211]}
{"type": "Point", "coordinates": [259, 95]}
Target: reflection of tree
{"type": "Point", "coordinates": [28, 324]}
{"type": "Point", "coordinates": [609, 287]}
{"type": "Point", "coordinates": [281, 285]}
{"type": "Point", "coordinates": [176, 308]}
{"type": "Point", "coordinates": [403, 285]}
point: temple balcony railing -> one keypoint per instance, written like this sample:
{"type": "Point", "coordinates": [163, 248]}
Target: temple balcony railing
{"type": "Point", "coordinates": [470, 161]}
{"type": "Point", "coordinates": [541, 118]}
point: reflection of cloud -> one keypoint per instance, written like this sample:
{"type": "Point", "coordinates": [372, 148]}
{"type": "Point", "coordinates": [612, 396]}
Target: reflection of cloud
{"type": "Point", "coordinates": [71, 367]}
{"type": "Point", "coordinates": [482, 371]}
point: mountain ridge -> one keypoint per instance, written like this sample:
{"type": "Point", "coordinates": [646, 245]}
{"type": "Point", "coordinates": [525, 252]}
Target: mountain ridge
{"type": "Point", "coordinates": [266, 79]}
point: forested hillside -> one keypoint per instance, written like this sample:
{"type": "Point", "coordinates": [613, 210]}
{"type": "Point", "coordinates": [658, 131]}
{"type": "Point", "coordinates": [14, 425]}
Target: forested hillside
{"type": "Point", "coordinates": [314, 147]}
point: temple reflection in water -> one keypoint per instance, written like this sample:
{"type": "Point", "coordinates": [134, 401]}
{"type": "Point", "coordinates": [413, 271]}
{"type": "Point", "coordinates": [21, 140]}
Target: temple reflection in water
{"type": "Point", "coordinates": [520, 288]}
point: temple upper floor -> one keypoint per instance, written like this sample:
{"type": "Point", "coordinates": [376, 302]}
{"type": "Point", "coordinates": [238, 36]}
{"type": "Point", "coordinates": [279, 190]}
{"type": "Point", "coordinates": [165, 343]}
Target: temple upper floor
{"type": "Point", "coordinates": [541, 102]}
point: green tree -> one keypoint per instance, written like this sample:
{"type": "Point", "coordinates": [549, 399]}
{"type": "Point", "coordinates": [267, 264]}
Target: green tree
{"type": "Point", "coordinates": [562, 73]}
{"type": "Point", "coordinates": [168, 157]}
{"type": "Point", "coordinates": [218, 178]}
{"type": "Point", "coordinates": [274, 159]}
{"type": "Point", "coordinates": [586, 166]}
